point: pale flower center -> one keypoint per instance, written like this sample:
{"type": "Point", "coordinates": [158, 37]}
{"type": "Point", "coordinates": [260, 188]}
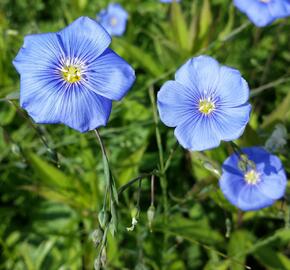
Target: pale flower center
{"type": "Point", "coordinates": [113, 21]}
{"type": "Point", "coordinates": [252, 177]}
{"type": "Point", "coordinates": [265, 1]}
{"type": "Point", "coordinates": [206, 106]}
{"type": "Point", "coordinates": [71, 73]}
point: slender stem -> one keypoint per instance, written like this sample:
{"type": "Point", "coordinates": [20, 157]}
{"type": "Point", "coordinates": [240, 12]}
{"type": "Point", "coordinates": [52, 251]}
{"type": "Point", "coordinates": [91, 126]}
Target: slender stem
{"type": "Point", "coordinates": [236, 149]}
{"type": "Point", "coordinates": [152, 189]}
{"type": "Point", "coordinates": [101, 144]}
{"type": "Point", "coordinates": [52, 152]}
{"type": "Point", "coordinates": [168, 161]}
{"type": "Point", "coordinates": [256, 91]}
{"type": "Point", "coordinates": [131, 182]}
{"type": "Point", "coordinates": [163, 180]}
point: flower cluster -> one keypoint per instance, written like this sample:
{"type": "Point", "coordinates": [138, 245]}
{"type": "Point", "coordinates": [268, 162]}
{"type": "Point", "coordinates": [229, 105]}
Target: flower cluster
{"type": "Point", "coordinates": [72, 77]}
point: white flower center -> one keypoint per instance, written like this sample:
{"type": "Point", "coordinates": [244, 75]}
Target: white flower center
{"type": "Point", "coordinates": [252, 177]}
{"type": "Point", "coordinates": [265, 1]}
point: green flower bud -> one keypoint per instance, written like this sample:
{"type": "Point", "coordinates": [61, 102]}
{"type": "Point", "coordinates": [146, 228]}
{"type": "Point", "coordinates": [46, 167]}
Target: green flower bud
{"type": "Point", "coordinates": [150, 215]}
{"type": "Point", "coordinates": [104, 217]}
{"type": "Point", "coordinates": [97, 236]}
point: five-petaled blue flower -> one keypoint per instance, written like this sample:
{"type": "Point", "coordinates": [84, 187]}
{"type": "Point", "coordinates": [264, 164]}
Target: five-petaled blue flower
{"type": "Point", "coordinates": [206, 103]}
{"type": "Point", "coordinates": [113, 19]}
{"type": "Point", "coordinates": [264, 12]}
{"type": "Point", "coordinates": [256, 186]}
{"type": "Point", "coordinates": [71, 76]}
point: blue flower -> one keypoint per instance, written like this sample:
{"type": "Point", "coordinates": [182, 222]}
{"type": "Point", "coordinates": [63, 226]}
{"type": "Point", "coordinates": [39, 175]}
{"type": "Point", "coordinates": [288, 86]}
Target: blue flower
{"type": "Point", "coordinates": [264, 12]}
{"type": "Point", "coordinates": [206, 103]}
{"type": "Point", "coordinates": [71, 76]}
{"type": "Point", "coordinates": [258, 185]}
{"type": "Point", "coordinates": [113, 19]}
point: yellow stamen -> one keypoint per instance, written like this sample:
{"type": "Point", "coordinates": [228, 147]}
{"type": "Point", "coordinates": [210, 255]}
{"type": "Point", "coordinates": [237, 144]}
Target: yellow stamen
{"type": "Point", "coordinates": [71, 74]}
{"type": "Point", "coordinates": [206, 106]}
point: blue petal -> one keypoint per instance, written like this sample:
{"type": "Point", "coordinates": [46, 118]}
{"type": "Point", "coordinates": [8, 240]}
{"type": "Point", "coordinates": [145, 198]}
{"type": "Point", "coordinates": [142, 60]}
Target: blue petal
{"type": "Point", "coordinates": [232, 89]}
{"type": "Point", "coordinates": [57, 102]}
{"type": "Point", "coordinates": [257, 12]}
{"type": "Point", "coordinates": [273, 186]}
{"type": "Point", "coordinates": [110, 76]}
{"type": "Point", "coordinates": [39, 55]}
{"type": "Point", "coordinates": [84, 39]}
{"type": "Point", "coordinates": [200, 73]}
{"type": "Point", "coordinates": [231, 122]}
{"type": "Point", "coordinates": [250, 199]}
{"type": "Point", "coordinates": [279, 8]}
{"type": "Point", "coordinates": [198, 133]}
{"type": "Point", "coordinates": [175, 103]}
{"type": "Point", "coordinates": [231, 184]}
{"type": "Point", "coordinates": [117, 10]}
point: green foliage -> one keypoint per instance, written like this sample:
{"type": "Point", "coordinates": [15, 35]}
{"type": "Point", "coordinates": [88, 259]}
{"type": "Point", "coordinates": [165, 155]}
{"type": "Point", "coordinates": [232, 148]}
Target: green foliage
{"type": "Point", "coordinates": [52, 179]}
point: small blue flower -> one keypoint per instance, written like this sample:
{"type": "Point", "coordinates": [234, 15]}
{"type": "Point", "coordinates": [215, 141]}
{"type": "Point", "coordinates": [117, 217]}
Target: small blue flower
{"type": "Point", "coordinates": [113, 19]}
{"type": "Point", "coordinates": [256, 187]}
{"type": "Point", "coordinates": [264, 12]}
{"type": "Point", "coordinates": [71, 76]}
{"type": "Point", "coordinates": [206, 103]}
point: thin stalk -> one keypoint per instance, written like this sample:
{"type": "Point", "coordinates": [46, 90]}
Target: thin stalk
{"type": "Point", "coordinates": [52, 152]}
{"type": "Point", "coordinates": [162, 177]}
{"type": "Point", "coordinates": [131, 182]}
{"type": "Point", "coordinates": [163, 180]}
{"type": "Point", "coordinates": [152, 189]}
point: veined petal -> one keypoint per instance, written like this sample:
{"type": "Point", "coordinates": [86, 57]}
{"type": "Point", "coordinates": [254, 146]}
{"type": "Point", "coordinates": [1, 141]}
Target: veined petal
{"type": "Point", "coordinates": [231, 122]}
{"type": "Point", "coordinates": [232, 89]}
{"type": "Point", "coordinates": [176, 103]}
{"type": "Point", "coordinates": [200, 73]}
{"type": "Point", "coordinates": [110, 76]}
{"type": "Point", "coordinates": [39, 55]}
{"type": "Point", "coordinates": [250, 198]}
{"type": "Point", "coordinates": [197, 133]}
{"type": "Point", "coordinates": [74, 106]}
{"type": "Point", "coordinates": [84, 39]}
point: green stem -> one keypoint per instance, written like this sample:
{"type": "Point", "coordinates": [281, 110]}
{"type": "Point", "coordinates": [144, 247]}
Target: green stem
{"type": "Point", "coordinates": [131, 182]}
{"type": "Point", "coordinates": [109, 178]}
{"type": "Point", "coordinates": [163, 180]}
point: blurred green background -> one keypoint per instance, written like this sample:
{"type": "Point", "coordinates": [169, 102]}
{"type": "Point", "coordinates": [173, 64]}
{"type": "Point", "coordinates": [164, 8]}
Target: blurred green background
{"type": "Point", "coordinates": [48, 209]}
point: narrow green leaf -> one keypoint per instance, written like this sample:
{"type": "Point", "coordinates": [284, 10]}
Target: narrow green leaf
{"type": "Point", "coordinates": [49, 174]}
{"type": "Point", "coordinates": [281, 113]}
{"type": "Point", "coordinates": [144, 59]}
{"type": "Point", "coordinates": [205, 19]}
{"type": "Point", "coordinates": [179, 26]}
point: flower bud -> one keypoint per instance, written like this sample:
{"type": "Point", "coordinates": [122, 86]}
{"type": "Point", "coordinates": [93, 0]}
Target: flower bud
{"type": "Point", "coordinates": [150, 215]}
{"type": "Point", "coordinates": [97, 236]}
{"type": "Point", "coordinates": [104, 217]}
